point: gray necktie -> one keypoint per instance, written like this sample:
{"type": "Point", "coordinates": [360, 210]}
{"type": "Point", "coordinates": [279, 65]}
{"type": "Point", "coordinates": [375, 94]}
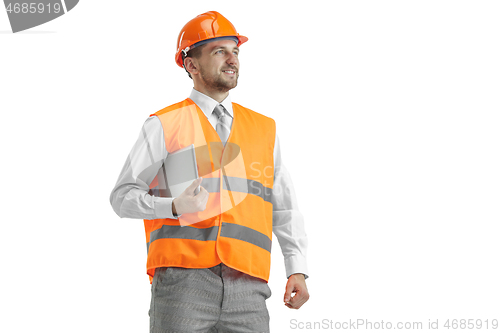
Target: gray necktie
{"type": "Point", "coordinates": [222, 127]}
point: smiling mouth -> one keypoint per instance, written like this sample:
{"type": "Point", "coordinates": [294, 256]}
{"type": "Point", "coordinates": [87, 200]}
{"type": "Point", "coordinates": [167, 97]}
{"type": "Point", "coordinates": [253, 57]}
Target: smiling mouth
{"type": "Point", "coordinates": [229, 71]}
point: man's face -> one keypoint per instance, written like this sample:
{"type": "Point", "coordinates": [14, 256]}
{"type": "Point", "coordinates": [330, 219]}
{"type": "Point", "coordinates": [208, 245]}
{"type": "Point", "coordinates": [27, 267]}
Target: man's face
{"type": "Point", "coordinates": [219, 65]}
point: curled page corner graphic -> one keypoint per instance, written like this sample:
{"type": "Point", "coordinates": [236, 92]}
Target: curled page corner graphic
{"type": "Point", "coordinates": [29, 14]}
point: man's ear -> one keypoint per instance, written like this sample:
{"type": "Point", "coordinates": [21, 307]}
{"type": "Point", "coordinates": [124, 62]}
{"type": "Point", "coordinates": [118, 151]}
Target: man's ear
{"type": "Point", "coordinates": [191, 65]}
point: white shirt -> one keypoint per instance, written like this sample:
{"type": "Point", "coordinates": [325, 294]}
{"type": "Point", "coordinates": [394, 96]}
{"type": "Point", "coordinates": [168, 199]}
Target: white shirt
{"type": "Point", "coordinates": [130, 197]}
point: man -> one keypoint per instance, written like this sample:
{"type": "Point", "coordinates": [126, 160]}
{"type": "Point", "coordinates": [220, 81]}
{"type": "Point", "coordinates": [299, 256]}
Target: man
{"type": "Point", "coordinates": [209, 250]}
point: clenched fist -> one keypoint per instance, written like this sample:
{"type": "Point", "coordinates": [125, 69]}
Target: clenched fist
{"type": "Point", "coordinates": [189, 201]}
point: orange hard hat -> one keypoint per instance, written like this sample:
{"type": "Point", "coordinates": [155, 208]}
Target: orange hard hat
{"type": "Point", "coordinates": [203, 27]}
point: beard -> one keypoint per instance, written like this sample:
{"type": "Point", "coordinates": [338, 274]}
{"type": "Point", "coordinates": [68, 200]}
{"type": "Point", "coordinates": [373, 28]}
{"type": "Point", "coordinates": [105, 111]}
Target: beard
{"type": "Point", "coordinates": [218, 82]}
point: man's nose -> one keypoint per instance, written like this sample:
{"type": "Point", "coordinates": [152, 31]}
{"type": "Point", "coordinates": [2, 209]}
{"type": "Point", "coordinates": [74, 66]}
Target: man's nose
{"type": "Point", "coordinates": [232, 59]}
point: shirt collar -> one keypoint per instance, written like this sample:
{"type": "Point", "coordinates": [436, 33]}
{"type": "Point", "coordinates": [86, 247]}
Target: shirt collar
{"type": "Point", "coordinates": [207, 104]}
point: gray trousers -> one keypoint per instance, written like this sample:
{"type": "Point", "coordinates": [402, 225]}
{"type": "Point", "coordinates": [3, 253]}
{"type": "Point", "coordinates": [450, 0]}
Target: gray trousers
{"type": "Point", "coordinates": [216, 299]}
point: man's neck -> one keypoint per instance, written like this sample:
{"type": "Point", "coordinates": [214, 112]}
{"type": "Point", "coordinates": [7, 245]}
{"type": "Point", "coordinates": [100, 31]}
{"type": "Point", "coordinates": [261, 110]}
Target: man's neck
{"type": "Point", "coordinates": [219, 96]}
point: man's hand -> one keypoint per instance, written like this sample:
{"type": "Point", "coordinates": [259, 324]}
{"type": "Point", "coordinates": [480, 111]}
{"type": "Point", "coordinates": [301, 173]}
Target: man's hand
{"type": "Point", "coordinates": [188, 201]}
{"type": "Point", "coordinates": [296, 284]}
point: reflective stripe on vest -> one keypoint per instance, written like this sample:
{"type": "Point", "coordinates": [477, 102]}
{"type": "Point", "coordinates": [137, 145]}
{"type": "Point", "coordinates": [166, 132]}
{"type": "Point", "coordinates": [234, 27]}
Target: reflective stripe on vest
{"type": "Point", "coordinates": [229, 230]}
{"type": "Point", "coordinates": [235, 184]}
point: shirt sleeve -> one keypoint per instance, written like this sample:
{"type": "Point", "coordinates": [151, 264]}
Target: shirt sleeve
{"type": "Point", "coordinates": [288, 222]}
{"type": "Point", "coordinates": [130, 198]}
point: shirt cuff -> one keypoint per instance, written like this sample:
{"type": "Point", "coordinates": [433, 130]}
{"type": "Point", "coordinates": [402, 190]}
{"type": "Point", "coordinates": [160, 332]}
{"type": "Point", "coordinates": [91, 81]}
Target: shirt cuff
{"type": "Point", "coordinates": [163, 208]}
{"type": "Point", "coordinates": [296, 264]}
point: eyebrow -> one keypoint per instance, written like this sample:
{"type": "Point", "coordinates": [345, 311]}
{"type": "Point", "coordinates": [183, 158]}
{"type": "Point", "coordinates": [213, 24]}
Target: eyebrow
{"type": "Point", "coordinates": [225, 48]}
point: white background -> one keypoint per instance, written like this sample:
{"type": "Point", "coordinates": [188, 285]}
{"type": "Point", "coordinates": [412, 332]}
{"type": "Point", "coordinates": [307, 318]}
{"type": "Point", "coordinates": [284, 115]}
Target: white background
{"type": "Point", "coordinates": [388, 115]}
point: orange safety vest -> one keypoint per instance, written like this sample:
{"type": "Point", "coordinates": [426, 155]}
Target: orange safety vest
{"type": "Point", "coordinates": [236, 226]}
